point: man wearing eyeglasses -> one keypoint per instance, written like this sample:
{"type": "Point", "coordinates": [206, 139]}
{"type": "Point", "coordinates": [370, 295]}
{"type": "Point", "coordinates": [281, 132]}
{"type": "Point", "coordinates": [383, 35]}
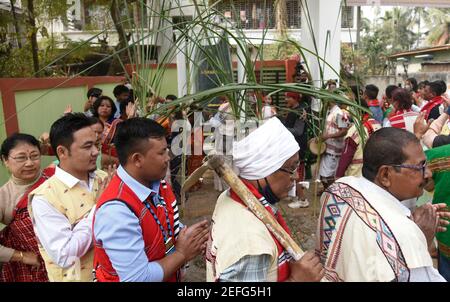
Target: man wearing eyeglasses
{"type": "Point", "coordinates": [241, 248]}
{"type": "Point", "coordinates": [365, 233]}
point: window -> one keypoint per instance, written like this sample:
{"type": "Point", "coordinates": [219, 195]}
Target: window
{"type": "Point", "coordinates": [251, 14]}
{"type": "Point", "coordinates": [347, 17]}
{"type": "Point", "coordinates": [294, 14]}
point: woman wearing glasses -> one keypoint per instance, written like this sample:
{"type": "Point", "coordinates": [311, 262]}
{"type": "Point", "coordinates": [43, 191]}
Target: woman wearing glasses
{"type": "Point", "coordinates": [19, 254]}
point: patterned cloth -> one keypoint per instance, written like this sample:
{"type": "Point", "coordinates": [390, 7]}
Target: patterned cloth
{"type": "Point", "coordinates": [107, 139]}
{"type": "Point", "coordinates": [336, 120]}
{"type": "Point", "coordinates": [19, 235]}
{"type": "Point", "coordinates": [343, 196]}
{"type": "Point", "coordinates": [404, 119]}
{"type": "Point", "coordinates": [366, 234]}
{"type": "Point", "coordinates": [351, 161]}
{"type": "Point", "coordinates": [439, 163]}
{"type": "Point", "coordinates": [247, 269]}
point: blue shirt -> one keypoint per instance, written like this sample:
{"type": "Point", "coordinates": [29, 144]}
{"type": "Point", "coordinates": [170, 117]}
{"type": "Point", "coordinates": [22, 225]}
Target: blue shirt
{"type": "Point", "coordinates": [377, 113]}
{"type": "Point", "coordinates": [118, 229]}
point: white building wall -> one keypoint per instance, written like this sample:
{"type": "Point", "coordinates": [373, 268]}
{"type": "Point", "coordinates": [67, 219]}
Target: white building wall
{"type": "Point", "coordinates": [324, 15]}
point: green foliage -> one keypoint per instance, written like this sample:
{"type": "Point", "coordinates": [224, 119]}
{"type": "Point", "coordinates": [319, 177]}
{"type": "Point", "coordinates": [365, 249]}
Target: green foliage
{"type": "Point", "coordinates": [16, 62]}
{"type": "Point", "coordinates": [438, 20]}
{"type": "Point", "coordinates": [352, 61]}
{"type": "Point", "coordinates": [374, 48]}
{"type": "Point", "coordinates": [387, 35]}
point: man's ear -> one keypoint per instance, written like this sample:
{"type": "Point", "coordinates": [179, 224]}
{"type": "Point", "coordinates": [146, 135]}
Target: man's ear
{"type": "Point", "coordinates": [384, 176]}
{"type": "Point", "coordinates": [136, 159]}
{"type": "Point", "coordinates": [62, 152]}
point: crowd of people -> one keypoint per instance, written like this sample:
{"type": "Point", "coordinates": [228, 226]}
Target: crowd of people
{"type": "Point", "coordinates": [107, 208]}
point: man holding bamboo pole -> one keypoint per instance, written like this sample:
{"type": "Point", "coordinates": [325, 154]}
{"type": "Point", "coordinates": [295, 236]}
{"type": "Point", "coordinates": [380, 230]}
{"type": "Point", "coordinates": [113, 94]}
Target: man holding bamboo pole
{"type": "Point", "coordinates": [241, 247]}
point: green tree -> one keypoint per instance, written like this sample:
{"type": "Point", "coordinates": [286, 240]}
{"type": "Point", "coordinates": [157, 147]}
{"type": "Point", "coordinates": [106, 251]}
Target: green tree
{"type": "Point", "coordinates": [40, 12]}
{"type": "Point", "coordinates": [373, 46]}
{"type": "Point", "coordinates": [396, 29]}
{"type": "Point", "coordinates": [438, 21]}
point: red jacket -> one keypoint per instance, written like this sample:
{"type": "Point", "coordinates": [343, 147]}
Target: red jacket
{"type": "Point", "coordinates": [153, 237]}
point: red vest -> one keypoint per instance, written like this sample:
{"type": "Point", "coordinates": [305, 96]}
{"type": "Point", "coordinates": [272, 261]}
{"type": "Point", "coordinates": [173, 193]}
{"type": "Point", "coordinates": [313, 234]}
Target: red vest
{"type": "Point", "coordinates": [153, 237]}
{"type": "Point", "coordinates": [436, 101]}
{"type": "Point", "coordinates": [283, 256]}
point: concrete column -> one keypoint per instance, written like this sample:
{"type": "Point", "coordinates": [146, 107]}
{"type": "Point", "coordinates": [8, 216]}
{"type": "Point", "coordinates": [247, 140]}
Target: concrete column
{"type": "Point", "coordinates": [181, 69]}
{"type": "Point", "coordinates": [325, 30]}
{"type": "Point", "coordinates": [242, 78]}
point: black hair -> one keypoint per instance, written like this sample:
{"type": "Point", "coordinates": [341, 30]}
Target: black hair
{"type": "Point", "coordinates": [96, 92]}
{"type": "Point", "coordinates": [443, 86]}
{"type": "Point", "coordinates": [423, 84]}
{"type": "Point", "coordinates": [119, 89]}
{"type": "Point", "coordinates": [131, 134]}
{"type": "Point", "coordinates": [385, 147]}
{"type": "Point", "coordinates": [123, 106]}
{"type": "Point", "coordinates": [171, 97]}
{"type": "Point", "coordinates": [61, 132]}
{"type": "Point", "coordinates": [413, 82]}
{"type": "Point", "coordinates": [356, 90]}
{"type": "Point", "coordinates": [96, 120]}
{"type": "Point", "coordinates": [436, 87]}
{"type": "Point", "coordinates": [131, 96]}
{"type": "Point", "coordinates": [15, 139]}
{"type": "Point", "coordinates": [403, 98]}
{"type": "Point", "coordinates": [371, 91]}
{"type": "Point", "coordinates": [99, 101]}
{"type": "Point", "coordinates": [389, 90]}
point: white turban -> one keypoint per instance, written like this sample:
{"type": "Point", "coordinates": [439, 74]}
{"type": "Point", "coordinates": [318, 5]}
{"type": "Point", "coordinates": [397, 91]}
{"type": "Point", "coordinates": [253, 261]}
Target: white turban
{"type": "Point", "coordinates": [264, 151]}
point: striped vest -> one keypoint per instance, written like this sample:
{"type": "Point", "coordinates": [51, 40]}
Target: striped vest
{"type": "Point", "coordinates": [404, 119]}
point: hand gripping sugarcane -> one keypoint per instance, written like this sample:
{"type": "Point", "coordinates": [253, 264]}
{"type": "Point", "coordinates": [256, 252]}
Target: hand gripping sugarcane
{"type": "Point", "coordinates": [216, 163]}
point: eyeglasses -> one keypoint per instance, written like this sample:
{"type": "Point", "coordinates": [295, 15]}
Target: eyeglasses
{"type": "Point", "coordinates": [24, 158]}
{"type": "Point", "coordinates": [292, 173]}
{"type": "Point", "coordinates": [419, 167]}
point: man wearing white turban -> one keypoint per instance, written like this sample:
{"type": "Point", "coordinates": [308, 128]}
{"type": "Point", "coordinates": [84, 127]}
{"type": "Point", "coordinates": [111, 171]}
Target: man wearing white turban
{"type": "Point", "coordinates": [240, 247]}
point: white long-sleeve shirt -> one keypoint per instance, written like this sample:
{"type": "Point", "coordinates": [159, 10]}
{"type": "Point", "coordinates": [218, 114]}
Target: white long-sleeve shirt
{"type": "Point", "coordinates": [62, 241]}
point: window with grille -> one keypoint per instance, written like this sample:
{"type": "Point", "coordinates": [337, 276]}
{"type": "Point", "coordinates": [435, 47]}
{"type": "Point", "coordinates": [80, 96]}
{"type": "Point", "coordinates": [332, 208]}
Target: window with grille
{"type": "Point", "coordinates": [259, 14]}
{"type": "Point", "coordinates": [293, 12]}
{"type": "Point", "coordinates": [250, 13]}
{"type": "Point", "coordinates": [347, 17]}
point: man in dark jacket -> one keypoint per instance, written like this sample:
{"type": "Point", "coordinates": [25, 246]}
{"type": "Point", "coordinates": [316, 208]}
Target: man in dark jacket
{"type": "Point", "coordinates": [296, 123]}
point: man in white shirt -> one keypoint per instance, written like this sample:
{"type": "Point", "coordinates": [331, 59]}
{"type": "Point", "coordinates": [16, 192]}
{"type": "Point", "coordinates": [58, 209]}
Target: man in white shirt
{"type": "Point", "coordinates": [365, 233]}
{"type": "Point", "coordinates": [61, 207]}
